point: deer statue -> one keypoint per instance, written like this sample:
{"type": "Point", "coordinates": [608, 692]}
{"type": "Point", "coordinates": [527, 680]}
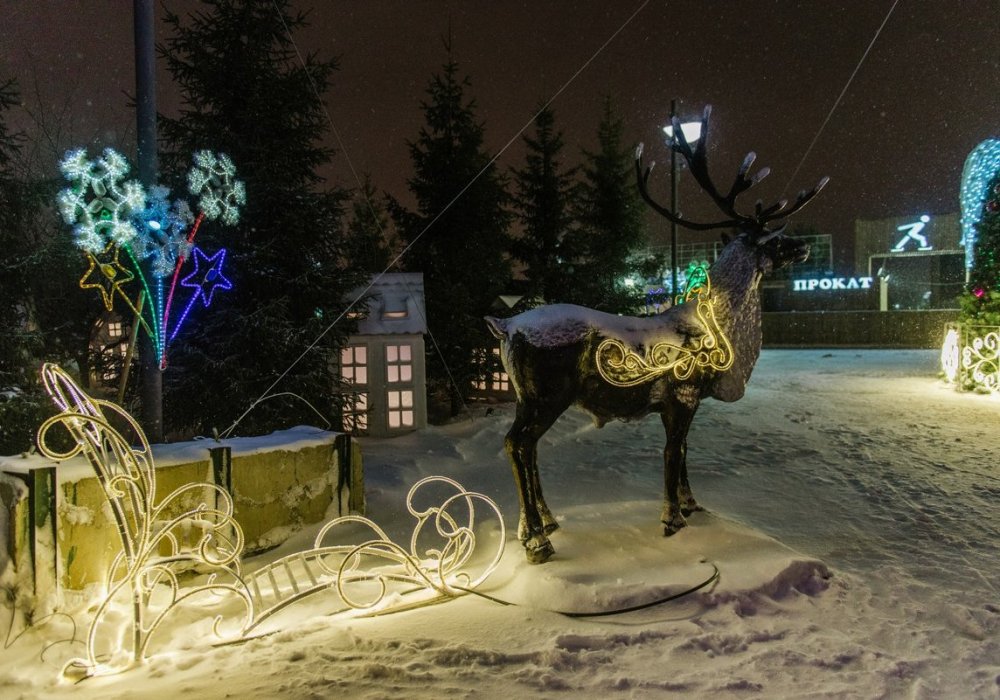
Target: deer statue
{"type": "Point", "coordinates": [627, 367]}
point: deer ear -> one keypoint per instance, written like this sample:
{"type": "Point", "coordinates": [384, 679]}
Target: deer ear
{"type": "Point", "coordinates": [726, 238]}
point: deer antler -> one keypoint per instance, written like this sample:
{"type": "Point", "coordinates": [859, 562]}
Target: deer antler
{"type": "Point", "coordinates": [697, 161]}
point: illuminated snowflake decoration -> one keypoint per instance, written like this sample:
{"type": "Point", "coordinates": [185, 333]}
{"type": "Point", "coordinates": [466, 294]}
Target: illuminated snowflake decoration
{"type": "Point", "coordinates": [163, 227]}
{"type": "Point", "coordinates": [214, 178]}
{"type": "Point", "coordinates": [99, 204]}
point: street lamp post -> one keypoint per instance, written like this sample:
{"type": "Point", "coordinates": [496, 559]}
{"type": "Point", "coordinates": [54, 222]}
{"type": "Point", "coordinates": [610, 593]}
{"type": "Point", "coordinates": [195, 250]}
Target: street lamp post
{"type": "Point", "coordinates": [692, 132]}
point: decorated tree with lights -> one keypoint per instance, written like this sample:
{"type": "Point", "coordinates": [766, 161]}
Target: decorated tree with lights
{"type": "Point", "coordinates": [246, 93]}
{"type": "Point", "coordinates": [457, 234]}
{"type": "Point", "coordinates": [543, 200]}
{"type": "Point", "coordinates": [981, 300]}
{"type": "Point", "coordinates": [610, 275]}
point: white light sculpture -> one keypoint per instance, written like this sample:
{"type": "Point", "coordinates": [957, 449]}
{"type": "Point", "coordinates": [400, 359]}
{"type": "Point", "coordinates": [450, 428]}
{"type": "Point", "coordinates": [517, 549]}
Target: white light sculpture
{"type": "Point", "coordinates": [950, 355]}
{"type": "Point", "coordinates": [159, 550]}
{"type": "Point", "coordinates": [981, 360]}
{"type": "Point", "coordinates": [155, 533]}
{"type": "Point", "coordinates": [375, 575]}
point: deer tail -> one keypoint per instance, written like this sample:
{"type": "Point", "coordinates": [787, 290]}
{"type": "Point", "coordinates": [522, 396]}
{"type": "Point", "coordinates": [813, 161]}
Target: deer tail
{"type": "Point", "coordinates": [497, 326]}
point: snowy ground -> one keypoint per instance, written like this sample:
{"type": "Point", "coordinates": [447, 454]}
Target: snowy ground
{"type": "Point", "coordinates": [852, 513]}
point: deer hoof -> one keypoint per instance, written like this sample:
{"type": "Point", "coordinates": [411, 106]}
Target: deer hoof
{"type": "Point", "coordinates": [691, 507]}
{"type": "Point", "coordinates": [539, 553]}
{"type": "Point", "coordinates": [672, 526]}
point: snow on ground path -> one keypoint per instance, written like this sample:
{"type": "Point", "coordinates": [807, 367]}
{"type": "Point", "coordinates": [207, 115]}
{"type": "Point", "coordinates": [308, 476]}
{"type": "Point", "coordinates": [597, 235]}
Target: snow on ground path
{"type": "Point", "coordinates": [860, 461]}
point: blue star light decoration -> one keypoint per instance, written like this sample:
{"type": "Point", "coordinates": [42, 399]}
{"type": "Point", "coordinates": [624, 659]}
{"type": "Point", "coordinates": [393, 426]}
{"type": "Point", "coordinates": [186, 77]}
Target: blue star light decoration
{"type": "Point", "coordinates": [205, 283]}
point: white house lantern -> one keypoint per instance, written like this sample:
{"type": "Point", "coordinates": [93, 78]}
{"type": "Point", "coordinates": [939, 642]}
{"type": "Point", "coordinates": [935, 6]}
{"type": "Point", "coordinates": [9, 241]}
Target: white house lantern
{"type": "Point", "coordinates": [382, 367]}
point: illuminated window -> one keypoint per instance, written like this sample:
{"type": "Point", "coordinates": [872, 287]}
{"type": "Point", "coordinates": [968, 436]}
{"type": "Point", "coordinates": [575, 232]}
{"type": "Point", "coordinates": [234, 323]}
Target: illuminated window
{"type": "Point", "coordinates": [115, 329]}
{"type": "Point", "coordinates": [355, 412]}
{"type": "Point", "coordinates": [400, 404]}
{"type": "Point", "coordinates": [354, 370]}
{"type": "Point", "coordinates": [499, 381]}
{"type": "Point", "coordinates": [492, 377]}
{"type": "Point", "coordinates": [398, 363]}
{"type": "Point", "coordinates": [354, 364]}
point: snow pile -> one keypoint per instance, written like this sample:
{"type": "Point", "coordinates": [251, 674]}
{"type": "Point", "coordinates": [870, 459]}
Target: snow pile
{"type": "Point", "coordinates": [852, 515]}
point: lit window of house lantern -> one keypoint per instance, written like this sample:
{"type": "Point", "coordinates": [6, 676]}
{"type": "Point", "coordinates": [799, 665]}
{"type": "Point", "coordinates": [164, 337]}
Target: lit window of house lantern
{"type": "Point", "coordinates": [391, 336]}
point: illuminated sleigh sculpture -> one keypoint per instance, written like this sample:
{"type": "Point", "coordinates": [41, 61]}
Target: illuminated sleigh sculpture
{"type": "Point", "coordinates": [158, 555]}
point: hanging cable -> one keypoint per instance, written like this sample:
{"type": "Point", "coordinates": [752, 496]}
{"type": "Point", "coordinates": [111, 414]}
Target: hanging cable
{"type": "Point", "coordinates": [840, 97]}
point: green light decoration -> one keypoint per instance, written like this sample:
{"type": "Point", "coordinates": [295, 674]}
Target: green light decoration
{"type": "Point", "coordinates": [696, 278]}
{"type": "Point", "coordinates": [111, 215]}
{"type": "Point", "coordinates": [981, 166]}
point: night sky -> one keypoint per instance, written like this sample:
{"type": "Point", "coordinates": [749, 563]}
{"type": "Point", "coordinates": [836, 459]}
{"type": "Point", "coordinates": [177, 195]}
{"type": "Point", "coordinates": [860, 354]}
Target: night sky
{"type": "Point", "coordinates": [927, 93]}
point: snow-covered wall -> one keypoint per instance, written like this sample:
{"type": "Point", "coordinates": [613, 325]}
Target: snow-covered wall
{"type": "Point", "coordinates": [279, 483]}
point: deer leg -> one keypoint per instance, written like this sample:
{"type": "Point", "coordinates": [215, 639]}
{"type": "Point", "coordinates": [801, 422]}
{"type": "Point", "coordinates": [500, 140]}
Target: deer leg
{"type": "Point", "coordinates": [684, 494]}
{"type": "Point", "coordinates": [535, 521]}
{"type": "Point", "coordinates": [676, 422]}
{"type": "Point", "coordinates": [549, 524]}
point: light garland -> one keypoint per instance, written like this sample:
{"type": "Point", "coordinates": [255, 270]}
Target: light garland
{"type": "Point", "coordinates": [108, 212]}
{"type": "Point", "coordinates": [980, 167]}
{"type": "Point", "coordinates": [619, 365]}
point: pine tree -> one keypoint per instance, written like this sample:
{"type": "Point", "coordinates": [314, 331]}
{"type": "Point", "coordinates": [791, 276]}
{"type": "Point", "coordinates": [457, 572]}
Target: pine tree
{"type": "Point", "coordinates": [981, 302]}
{"type": "Point", "coordinates": [611, 216]}
{"type": "Point", "coordinates": [457, 234]}
{"type": "Point", "coordinates": [247, 95]}
{"type": "Point", "coordinates": [543, 201]}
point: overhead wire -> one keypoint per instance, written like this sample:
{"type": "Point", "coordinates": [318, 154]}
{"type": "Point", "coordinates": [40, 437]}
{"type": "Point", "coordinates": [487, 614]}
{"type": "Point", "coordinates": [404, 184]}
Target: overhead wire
{"type": "Point", "coordinates": [840, 97]}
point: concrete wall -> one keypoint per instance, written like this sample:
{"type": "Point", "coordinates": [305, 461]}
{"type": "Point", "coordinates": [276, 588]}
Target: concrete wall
{"type": "Point", "coordinates": [60, 533]}
{"type": "Point", "coordinates": [877, 329]}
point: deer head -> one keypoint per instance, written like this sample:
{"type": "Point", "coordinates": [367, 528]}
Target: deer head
{"type": "Point", "coordinates": [774, 249]}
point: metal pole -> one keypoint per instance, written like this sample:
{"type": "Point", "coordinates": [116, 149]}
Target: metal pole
{"type": "Point", "coordinates": [674, 173]}
{"type": "Point", "coordinates": [145, 121]}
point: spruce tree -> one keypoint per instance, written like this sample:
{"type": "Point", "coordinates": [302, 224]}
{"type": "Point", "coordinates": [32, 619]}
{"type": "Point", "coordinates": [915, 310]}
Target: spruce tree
{"type": "Point", "coordinates": [43, 316]}
{"type": "Point", "coordinates": [457, 236]}
{"type": "Point", "coordinates": [246, 94]}
{"type": "Point", "coordinates": [981, 301]}
{"type": "Point", "coordinates": [610, 213]}
{"type": "Point", "coordinates": [18, 344]}
{"type": "Point", "coordinates": [368, 235]}
{"type": "Point", "coordinates": [543, 199]}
